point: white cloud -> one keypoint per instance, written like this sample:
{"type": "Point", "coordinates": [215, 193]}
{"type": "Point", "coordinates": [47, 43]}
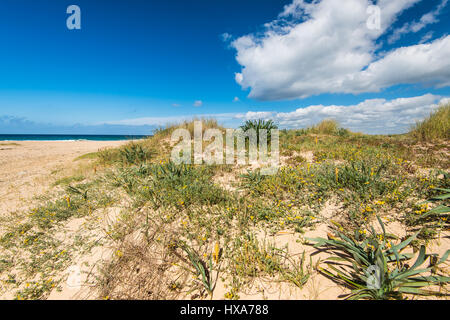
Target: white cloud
{"type": "Point", "coordinates": [416, 26]}
{"type": "Point", "coordinates": [326, 47]}
{"type": "Point", "coordinates": [157, 121]}
{"type": "Point", "coordinates": [424, 63]}
{"type": "Point", "coordinates": [370, 116]}
{"type": "Point", "coordinates": [251, 115]}
{"type": "Point", "coordinates": [198, 103]}
{"type": "Point", "coordinates": [375, 116]}
{"type": "Point", "coordinates": [426, 37]}
{"type": "Point", "coordinates": [236, 99]}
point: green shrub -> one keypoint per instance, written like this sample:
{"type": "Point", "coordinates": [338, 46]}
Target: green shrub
{"type": "Point", "coordinates": [134, 154]}
{"type": "Point", "coordinates": [170, 184]}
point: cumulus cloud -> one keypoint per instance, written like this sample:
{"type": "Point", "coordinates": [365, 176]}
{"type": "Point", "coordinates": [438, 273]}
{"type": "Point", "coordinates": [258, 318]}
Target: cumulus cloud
{"type": "Point", "coordinates": [198, 103]}
{"type": "Point", "coordinates": [375, 116]}
{"type": "Point", "coordinates": [326, 47]}
{"type": "Point", "coordinates": [416, 26]}
{"type": "Point", "coordinates": [162, 121]}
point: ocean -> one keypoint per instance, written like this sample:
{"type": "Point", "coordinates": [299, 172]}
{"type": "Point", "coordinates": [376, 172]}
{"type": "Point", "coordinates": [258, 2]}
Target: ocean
{"type": "Point", "coordinates": [66, 137]}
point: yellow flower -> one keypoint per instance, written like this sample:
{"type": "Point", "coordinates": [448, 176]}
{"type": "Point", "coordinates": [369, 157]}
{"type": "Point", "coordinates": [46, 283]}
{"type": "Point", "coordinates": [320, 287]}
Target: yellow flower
{"type": "Point", "coordinates": [216, 252]}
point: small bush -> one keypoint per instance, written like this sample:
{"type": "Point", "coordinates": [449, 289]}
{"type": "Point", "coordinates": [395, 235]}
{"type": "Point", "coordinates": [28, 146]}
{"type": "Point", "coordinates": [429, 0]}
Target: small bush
{"type": "Point", "coordinates": [135, 154]}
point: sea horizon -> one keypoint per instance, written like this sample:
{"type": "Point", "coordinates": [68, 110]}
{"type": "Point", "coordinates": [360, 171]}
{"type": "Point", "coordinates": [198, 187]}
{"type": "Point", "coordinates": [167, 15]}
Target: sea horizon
{"type": "Point", "coordinates": [69, 137]}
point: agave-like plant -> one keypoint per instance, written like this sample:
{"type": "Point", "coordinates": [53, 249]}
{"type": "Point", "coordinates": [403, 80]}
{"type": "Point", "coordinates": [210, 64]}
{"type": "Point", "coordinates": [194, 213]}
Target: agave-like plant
{"type": "Point", "coordinates": [258, 125]}
{"type": "Point", "coordinates": [202, 268]}
{"type": "Point", "coordinates": [378, 268]}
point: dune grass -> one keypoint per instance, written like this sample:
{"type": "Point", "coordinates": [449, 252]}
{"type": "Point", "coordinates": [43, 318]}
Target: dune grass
{"type": "Point", "coordinates": [435, 126]}
{"type": "Point", "coordinates": [207, 123]}
{"type": "Point", "coordinates": [327, 126]}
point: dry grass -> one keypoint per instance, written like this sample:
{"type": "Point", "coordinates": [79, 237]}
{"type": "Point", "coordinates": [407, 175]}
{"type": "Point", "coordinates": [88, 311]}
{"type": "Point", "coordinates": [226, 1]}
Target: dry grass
{"type": "Point", "coordinates": [207, 123]}
{"type": "Point", "coordinates": [436, 126]}
{"type": "Point", "coordinates": [327, 126]}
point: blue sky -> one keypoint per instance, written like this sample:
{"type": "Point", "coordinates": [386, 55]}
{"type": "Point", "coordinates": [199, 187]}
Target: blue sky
{"type": "Point", "coordinates": [138, 64]}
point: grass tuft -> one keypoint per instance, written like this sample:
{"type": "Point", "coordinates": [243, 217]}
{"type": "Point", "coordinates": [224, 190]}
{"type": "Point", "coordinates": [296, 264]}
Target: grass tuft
{"type": "Point", "coordinates": [436, 126]}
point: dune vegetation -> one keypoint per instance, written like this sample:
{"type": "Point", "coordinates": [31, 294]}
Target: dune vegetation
{"type": "Point", "coordinates": [341, 203]}
{"type": "Point", "coordinates": [436, 126]}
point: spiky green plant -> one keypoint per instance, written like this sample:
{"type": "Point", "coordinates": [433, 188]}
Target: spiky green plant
{"type": "Point", "coordinates": [135, 154]}
{"type": "Point", "coordinates": [259, 125]}
{"type": "Point", "coordinates": [252, 178]}
{"type": "Point", "coordinates": [202, 269]}
{"type": "Point", "coordinates": [392, 278]}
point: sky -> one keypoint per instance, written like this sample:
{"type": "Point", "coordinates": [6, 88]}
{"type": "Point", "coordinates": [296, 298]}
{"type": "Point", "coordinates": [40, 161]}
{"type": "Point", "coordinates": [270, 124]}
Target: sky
{"type": "Point", "coordinates": [375, 66]}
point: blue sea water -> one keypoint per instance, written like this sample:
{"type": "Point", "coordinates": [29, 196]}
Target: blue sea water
{"type": "Point", "coordinates": [64, 137]}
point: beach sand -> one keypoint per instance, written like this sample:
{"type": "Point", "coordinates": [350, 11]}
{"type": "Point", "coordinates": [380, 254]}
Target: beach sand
{"type": "Point", "coordinates": [29, 168]}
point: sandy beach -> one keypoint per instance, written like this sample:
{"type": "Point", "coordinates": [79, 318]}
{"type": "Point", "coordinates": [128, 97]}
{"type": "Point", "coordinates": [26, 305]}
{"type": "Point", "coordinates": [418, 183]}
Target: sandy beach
{"type": "Point", "coordinates": [28, 168]}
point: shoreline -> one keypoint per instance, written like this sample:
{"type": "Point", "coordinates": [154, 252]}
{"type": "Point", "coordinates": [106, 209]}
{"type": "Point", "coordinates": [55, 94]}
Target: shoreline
{"type": "Point", "coordinates": [73, 140]}
{"type": "Point", "coordinates": [10, 137]}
